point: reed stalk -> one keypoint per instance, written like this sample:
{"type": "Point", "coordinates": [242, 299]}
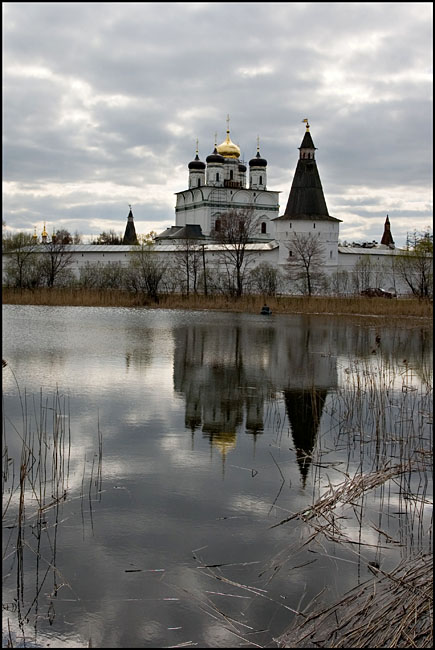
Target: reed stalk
{"type": "Point", "coordinates": [356, 305]}
{"type": "Point", "coordinates": [32, 505]}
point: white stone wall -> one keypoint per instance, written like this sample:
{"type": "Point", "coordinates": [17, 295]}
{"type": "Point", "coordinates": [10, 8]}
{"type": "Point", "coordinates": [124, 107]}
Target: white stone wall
{"type": "Point", "coordinates": [327, 231]}
{"type": "Point", "coordinates": [380, 261]}
{"type": "Point", "coordinates": [274, 252]}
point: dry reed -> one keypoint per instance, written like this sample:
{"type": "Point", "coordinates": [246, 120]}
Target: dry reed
{"type": "Point", "coordinates": [392, 610]}
{"type": "Point", "coordinates": [358, 305]}
{"type": "Point", "coordinates": [390, 440]}
{"type": "Point", "coordinates": [35, 482]}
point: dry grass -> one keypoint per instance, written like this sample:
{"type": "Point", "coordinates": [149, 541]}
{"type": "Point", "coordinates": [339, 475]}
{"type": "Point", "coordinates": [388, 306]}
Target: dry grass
{"type": "Point", "coordinates": [408, 307]}
{"type": "Point", "coordinates": [394, 610]}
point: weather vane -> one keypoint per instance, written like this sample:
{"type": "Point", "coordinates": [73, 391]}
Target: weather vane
{"type": "Point", "coordinates": [306, 122]}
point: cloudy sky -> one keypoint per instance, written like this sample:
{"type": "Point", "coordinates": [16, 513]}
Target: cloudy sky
{"type": "Point", "coordinates": [103, 103]}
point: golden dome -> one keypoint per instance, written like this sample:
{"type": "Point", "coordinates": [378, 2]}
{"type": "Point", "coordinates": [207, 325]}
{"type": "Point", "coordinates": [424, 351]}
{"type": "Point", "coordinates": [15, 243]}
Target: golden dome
{"type": "Point", "coordinates": [228, 149]}
{"type": "Point", "coordinates": [44, 232]}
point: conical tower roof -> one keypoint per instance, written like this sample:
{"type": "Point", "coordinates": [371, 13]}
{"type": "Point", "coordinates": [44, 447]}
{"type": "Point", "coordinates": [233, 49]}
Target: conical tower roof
{"type": "Point", "coordinates": [130, 237]}
{"type": "Point", "coordinates": [387, 237]}
{"type": "Point", "coordinates": [306, 199]}
{"type": "Point", "coordinates": [307, 141]}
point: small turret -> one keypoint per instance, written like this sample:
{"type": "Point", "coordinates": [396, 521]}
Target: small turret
{"type": "Point", "coordinates": [215, 167]}
{"type": "Point", "coordinates": [257, 171]}
{"type": "Point", "coordinates": [196, 171]}
{"type": "Point", "coordinates": [44, 235]}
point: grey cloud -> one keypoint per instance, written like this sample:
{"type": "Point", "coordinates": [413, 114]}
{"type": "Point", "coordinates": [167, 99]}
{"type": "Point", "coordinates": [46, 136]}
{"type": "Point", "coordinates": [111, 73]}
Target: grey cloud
{"type": "Point", "coordinates": [187, 66]}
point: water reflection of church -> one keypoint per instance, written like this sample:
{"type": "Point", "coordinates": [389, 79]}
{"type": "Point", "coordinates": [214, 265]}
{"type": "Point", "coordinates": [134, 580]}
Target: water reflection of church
{"type": "Point", "coordinates": [230, 374]}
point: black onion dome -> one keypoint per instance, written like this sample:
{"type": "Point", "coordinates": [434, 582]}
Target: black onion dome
{"type": "Point", "coordinates": [242, 168]}
{"type": "Point", "coordinates": [196, 164]}
{"type": "Point", "coordinates": [258, 161]}
{"type": "Point", "coordinates": [215, 157]}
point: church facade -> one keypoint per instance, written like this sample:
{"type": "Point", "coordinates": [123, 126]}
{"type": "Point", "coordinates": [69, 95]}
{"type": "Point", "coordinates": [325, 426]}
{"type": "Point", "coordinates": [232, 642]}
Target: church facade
{"type": "Point", "coordinates": [224, 183]}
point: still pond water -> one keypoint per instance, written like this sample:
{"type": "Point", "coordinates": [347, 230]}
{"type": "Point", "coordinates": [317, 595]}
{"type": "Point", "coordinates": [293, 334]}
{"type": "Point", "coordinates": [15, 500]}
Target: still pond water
{"type": "Point", "coordinates": [167, 444]}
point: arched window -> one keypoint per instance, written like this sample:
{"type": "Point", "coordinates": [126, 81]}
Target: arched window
{"type": "Point", "coordinates": [261, 180]}
{"type": "Point", "coordinates": [231, 174]}
{"type": "Point", "coordinates": [217, 176]}
{"type": "Point", "coordinates": [263, 228]}
{"type": "Point", "coordinates": [217, 225]}
{"type": "Point", "coordinates": [314, 225]}
{"type": "Point", "coordinates": [199, 182]}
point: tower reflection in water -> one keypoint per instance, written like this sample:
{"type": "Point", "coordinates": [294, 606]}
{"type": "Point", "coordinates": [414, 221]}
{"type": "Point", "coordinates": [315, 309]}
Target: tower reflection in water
{"type": "Point", "coordinates": [229, 375]}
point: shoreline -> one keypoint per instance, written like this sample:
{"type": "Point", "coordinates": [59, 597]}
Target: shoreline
{"type": "Point", "coordinates": [358, 306]}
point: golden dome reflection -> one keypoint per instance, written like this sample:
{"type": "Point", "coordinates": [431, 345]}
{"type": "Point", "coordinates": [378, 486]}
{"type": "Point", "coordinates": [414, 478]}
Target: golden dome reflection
{"type": "Point", "coordinates": [225, 442]}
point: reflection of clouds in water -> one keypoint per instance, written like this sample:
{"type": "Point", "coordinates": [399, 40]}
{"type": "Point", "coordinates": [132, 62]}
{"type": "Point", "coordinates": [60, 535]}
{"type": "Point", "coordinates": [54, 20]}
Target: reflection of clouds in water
{"type": "Point", "coordinates": [187, 398]}
{"type": "Point", "coordinates": [380, 373]}
{"type": "Point", "coordinates": [219, 636]}
{"type": "Point", "coordinates": [149, 630]}
{"type": "Point", "coordinates": [248, 505]}
{"type": "Point", "coordinates": [129, 468]}
{"type": "Point", "coordinates": [54, 639]}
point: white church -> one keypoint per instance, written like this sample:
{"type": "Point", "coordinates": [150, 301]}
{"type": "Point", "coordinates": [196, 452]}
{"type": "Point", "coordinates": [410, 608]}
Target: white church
{"type": "Point", "coordinates": [224, 183]}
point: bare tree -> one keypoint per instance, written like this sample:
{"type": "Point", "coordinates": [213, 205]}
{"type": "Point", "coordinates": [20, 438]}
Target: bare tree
{"type": "Point", "coordinates": [146, 270]}
{"type": "Point", "coordinates": [265, 279]}
{"type": "Point", "coordinates": [56, 260]}
{"type": "Point", "coordinates": [63, 236]}
{"type": "Point", "coordinates": [237, 229]}
{"type": "Point", "coordinates": [188, 261]}
{"type": "Point", "coordinates": [305, 261]}
{"type": "Point", "coordinates": [108, 238]}
{"type": "Point", "coordinates": [415, 265]}
{"type": "Point", "coordinates": [340, 282]}
{"type": "Point", "coordinates": [21, 259]}
{"type": "Point", "coordinates": [362, 275]}
{"type": "Point", "coordinates": [102, 276]}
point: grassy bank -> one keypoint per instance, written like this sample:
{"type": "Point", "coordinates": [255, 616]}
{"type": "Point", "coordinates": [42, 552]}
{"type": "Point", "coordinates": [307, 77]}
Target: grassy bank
{"type": "Point", "coordinates": [410, 307]}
